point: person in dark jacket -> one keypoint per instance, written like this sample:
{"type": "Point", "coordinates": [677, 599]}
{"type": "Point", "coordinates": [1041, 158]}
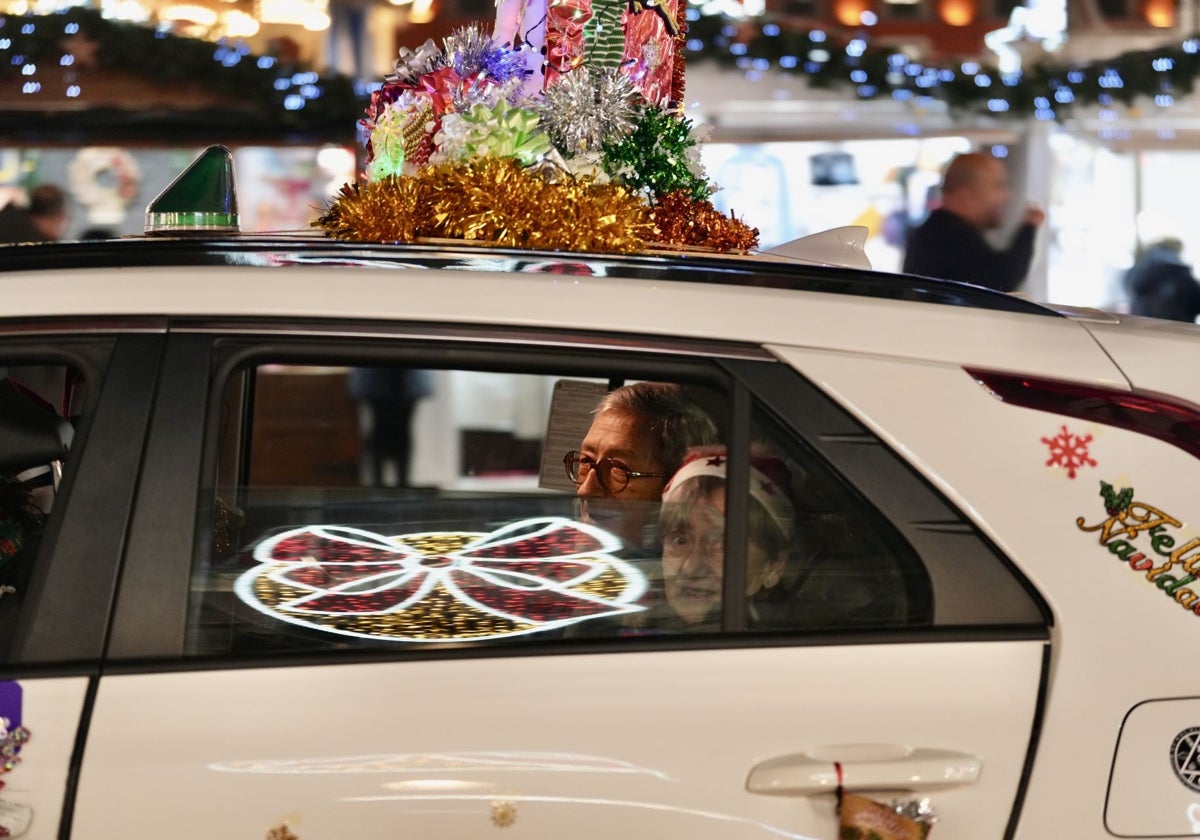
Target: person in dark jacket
{"type": "Point", "coordinates": [1161, 285]}
{"type": "Point", "coordinates": [44, 220]}
{"type": "Point", "coordinates": [950, 243]}
{"type": "Point", "coordinates": [389, 397]}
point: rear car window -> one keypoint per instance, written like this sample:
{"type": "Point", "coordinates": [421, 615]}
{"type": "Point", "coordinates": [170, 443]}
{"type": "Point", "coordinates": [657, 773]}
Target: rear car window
{"type": "Point", "coordinates": [382, 504]}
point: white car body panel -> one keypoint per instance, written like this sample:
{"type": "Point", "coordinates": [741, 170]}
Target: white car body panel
{"type": "Point", "coordinates": [553, 746]}
{"type": "Point", "coordinates": [1047, 345]}
{"type": "Point", "coordinates": [1101, 667]}
{"type": "Point", "coordinates": [1141, 776]}
{"type": "Point", "coordinates": [32, 803]}
{"type": "Point", "coordinates": [1155, 355]}
{"type": "Point", "coordinates": [426, 748]}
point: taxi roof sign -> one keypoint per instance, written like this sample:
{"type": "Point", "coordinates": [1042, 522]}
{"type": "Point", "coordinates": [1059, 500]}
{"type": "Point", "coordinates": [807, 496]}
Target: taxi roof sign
{"type": "Point", "coordinates": [202, 199]}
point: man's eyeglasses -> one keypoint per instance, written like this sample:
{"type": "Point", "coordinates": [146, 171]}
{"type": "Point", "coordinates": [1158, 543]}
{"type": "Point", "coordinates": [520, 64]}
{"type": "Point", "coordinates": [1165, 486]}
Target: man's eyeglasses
{"type": "Point", "coordinates": [614, 476]}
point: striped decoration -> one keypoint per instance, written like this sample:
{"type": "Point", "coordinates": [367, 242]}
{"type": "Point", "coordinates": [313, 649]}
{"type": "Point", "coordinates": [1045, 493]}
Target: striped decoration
{"type": "Point", "coordinates": [603, 35]}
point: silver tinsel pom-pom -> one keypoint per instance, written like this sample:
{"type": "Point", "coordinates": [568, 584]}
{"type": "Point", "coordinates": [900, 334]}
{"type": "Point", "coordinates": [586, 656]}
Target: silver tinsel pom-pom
{"type": "Point", "coordinates": [585, 109]}
{"type": "Point", "coordinates": [917, 810]}
{"type": "Point", "coordinates": [413, 64]}
{"type": "Point", "coordinates": [478, 91]}
{"type": "Point", "coordinates": [471, 51]}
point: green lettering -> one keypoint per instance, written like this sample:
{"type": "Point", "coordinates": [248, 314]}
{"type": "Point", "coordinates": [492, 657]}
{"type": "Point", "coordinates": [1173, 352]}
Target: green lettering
{"type": "Point", "coordinates": [1159, 542]}
{"type": "Point", "coordinates": [1121, 548]}
{"type": "Point", "coordinates": [1169, 584]}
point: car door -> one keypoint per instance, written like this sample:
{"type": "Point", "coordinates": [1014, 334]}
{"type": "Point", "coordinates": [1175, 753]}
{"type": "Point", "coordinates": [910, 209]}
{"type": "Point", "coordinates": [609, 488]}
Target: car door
{"type": "Point", "coordinates": [74, 407]}
{"type": "Point", "coordinates": [908, 666]}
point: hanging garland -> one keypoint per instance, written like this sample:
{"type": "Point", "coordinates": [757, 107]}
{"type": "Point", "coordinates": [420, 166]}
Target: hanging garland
{"type": "Point", "coordinates": [1046, 90]}
{"type": "Point", "coordinates": [276, 95]}
{"type": "Point", "coordinates": [291, 99]}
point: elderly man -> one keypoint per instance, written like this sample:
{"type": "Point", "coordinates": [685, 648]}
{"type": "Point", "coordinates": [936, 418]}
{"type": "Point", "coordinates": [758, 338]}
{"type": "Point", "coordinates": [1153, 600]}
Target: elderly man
{"type": "Point", "coordinates": [950, 244]}
{"type": "Point", "coordinates": [637, 440]}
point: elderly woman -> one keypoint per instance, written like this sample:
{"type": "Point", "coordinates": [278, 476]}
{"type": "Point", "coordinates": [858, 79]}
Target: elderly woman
{"type": "Point", "coordinates": [693, 532]}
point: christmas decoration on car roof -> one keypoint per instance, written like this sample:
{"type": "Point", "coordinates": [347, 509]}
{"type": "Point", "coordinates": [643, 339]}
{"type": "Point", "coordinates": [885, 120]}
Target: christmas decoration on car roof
{"type": "Point", "coordinates": [560, 129]}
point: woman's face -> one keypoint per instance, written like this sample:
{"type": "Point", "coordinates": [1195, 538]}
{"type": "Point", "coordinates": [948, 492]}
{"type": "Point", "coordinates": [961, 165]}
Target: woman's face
{"type": "Point", "coordinates": [694, 560]}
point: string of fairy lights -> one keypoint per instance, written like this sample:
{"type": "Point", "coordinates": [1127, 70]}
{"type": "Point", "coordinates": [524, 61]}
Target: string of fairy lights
{"type": "Point", "coordinates": [1046, 90]}
{"type": "Point", "coordinates": [52, 55]}
{"type": "Point", "coordinates": [55, 56]}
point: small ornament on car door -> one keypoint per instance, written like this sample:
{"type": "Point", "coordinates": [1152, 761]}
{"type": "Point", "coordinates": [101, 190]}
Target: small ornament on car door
{"type": "Point", "coordinates": [504, 814]}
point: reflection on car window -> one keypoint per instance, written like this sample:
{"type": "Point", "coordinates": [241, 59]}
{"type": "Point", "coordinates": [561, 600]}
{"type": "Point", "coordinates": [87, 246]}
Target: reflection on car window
{"type": "Point", "coordinates": [386, 505]}
{"type": "Point", "coordinates": [846, 566]}
{"type": "Point", "coordinates": [37, 407]}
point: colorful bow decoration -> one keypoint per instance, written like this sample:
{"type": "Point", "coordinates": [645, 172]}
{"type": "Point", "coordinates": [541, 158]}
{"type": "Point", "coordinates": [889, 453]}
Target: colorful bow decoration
{"type": "Point", "coordinates": [530, 575]}
{"type": "Point", "coordinates": [412, 64]}
{"type": "Point", "coordinates": [499, 131]}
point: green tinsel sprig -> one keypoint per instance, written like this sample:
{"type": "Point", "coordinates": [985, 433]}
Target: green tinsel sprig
{"type": "Point", "coordinates": [659, 156]}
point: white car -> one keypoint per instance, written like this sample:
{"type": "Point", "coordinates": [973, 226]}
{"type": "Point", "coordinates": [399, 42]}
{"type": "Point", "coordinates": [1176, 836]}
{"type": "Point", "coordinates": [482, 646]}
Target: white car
{"type": "Point", "coordinates": [229, 629]}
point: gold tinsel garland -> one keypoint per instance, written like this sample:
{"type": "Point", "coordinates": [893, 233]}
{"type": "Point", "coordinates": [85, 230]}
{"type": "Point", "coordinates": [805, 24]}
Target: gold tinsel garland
{"type": "Point", "coordinates": [492, 200]}
{"type": "Point", "coordinates": [683, 220]}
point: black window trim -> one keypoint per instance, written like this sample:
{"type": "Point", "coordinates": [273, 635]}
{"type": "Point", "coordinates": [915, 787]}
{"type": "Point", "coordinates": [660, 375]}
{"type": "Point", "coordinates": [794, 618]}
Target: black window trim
{"type": "Point", "coordinates": [66, 617]}
{"type": "Point", "coordinates": [770, 389]}
{"type": "Point", "coordinates": [493, 335]}
{"type": "Point", "coordinates": [470, 347]}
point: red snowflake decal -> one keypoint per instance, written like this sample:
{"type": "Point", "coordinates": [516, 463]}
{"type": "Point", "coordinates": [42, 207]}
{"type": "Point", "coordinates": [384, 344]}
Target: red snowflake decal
{"type": "Point", "coordinates": [1070, 451]}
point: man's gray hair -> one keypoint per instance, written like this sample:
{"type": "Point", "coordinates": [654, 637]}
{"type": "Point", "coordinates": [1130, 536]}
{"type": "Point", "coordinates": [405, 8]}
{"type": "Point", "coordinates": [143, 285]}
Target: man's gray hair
{"type": "Point", "coordinates": [677, 421]}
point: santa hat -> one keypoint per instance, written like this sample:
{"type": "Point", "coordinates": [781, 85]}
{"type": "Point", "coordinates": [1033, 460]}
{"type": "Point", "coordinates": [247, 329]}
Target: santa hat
{"type": "Point", "coordinates": [769, 480]}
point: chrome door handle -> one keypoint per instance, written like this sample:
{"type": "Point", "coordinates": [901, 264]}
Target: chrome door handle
{"type": "Point", "coordinates": [891, 767]}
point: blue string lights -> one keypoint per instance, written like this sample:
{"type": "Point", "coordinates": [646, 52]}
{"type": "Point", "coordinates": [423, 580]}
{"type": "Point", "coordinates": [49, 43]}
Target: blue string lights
{"type": "Point", "coordinates": [1044, 91]}
{"type": "Point", "coordinates": [57, 55]}
{"type": "Point", "coordinates": [54, 56]}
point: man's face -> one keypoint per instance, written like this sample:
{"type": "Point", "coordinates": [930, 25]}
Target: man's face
{"type": "Point", "coordinates": [992, 193]}
{"type": "Point", "coordinates": [628, 438]}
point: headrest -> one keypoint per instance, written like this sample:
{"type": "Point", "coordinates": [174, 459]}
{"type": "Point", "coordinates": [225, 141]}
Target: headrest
{"type": "Point", "coordinates": [30, 434]}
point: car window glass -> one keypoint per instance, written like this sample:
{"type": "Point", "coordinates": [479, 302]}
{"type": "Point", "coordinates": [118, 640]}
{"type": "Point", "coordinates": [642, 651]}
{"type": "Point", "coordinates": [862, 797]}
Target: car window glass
{"type": "Point", "coordinates": [388, 505]}
{"type": "Point", "coordinates": [391, 505]}
{"type": "Point", "coordinates": [39, 404]}
{"type": "Point", "coordinates": [814, 556]}
{"type": "Point", "coordinates": [845, 566]}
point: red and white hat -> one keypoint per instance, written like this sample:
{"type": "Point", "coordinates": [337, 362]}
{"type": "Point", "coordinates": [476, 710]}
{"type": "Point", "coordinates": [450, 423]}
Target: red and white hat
{"type": "Point", "coordinates": [768, 481]}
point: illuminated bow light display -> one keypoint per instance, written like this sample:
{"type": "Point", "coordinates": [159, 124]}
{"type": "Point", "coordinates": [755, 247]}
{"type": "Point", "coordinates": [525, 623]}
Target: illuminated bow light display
{"type": "Point", "coordinates": [526, 577]}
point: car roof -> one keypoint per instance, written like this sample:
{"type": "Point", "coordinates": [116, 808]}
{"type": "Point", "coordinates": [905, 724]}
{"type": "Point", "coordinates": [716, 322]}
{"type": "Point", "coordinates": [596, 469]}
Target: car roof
{"type": "Point", "coordinates": [762, 270]}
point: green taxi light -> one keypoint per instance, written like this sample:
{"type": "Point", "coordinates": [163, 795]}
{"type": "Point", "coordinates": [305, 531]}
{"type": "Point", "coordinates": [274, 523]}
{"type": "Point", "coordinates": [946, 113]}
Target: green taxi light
{"type": "Point", "coordinates": [201, 200]}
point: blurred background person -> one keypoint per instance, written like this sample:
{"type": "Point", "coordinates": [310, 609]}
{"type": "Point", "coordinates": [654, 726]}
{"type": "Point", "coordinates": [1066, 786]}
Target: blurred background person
{"type": "Point", "coordinates": [45, 219]}
{"type": "Point", "coordinates": [387, 398]}
{"type": "Point", "coordinates": [1161, 285]}
{"type": "Point", "coordinates": [950, 243]}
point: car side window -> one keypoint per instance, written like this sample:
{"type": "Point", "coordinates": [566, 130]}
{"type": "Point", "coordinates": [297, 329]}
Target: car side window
{"type": "Point", "coordinates": [388, 504]}
{"type": "Point", "coordinates": [846, 566]}
{"type": "Point", "coordinates": [39, 402]}
{"type": "Point", "coordinates": [382, 504]}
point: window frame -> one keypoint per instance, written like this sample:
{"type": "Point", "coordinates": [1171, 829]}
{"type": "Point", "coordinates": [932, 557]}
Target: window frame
{"type": "Point", "coordinates": [206, 355]}
{"type": "Point", "coordinates": [866, 465]}
{"type": "Point", "coordinates": [65, 616]}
